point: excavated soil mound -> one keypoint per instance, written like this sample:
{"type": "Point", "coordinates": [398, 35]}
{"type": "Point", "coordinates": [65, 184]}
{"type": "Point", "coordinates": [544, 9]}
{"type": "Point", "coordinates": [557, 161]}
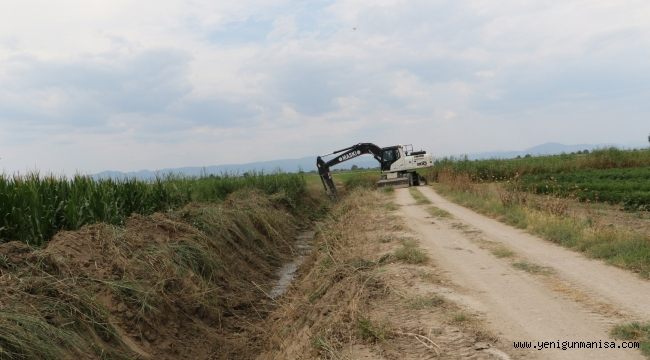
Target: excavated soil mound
{"type": "Point", "coordinates": [187, 284]}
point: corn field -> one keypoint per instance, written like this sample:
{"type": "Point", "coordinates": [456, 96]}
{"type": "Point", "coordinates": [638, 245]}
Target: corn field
{"type": "Point", "coordinates": [33, 207]}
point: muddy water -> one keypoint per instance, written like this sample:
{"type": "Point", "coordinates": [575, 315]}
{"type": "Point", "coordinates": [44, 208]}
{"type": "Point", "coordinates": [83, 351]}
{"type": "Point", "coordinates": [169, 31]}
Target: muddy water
{"type": "Point", "coordinates": [287, 272]}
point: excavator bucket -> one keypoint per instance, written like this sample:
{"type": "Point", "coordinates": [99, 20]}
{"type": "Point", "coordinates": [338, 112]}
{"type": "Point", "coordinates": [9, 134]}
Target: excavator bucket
{"type": "Point", "coordinates": [328, 183]}
{"type": "Point", "coordinates": [326, 178]}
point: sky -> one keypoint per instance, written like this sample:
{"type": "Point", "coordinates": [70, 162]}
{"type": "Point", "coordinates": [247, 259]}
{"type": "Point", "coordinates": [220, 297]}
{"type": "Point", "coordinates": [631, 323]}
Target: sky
{"type": "Point", "coordinates": [94, 85]}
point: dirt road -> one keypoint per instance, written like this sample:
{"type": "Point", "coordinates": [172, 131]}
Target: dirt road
{"type": "Point", "coordinates": [526, 288]}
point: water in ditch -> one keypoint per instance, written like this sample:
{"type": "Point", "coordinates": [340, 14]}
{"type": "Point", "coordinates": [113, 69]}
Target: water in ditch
{"type": "Point", "coordinates": [287, 272]}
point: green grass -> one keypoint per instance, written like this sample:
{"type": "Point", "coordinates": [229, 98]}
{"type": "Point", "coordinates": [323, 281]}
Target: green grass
{"type": "Point", "coordinates": [634, 332]}
{"type": "Point", "coordinates": [438, 212]}
{"type": "Point", "coordinates": [353, 180]}
{"type": "Point", "coordinates": [419, 198]}
{"type": "Point", "coordinates": [33, 208]}
{"type": "Point", "coordinates": [421, 302]}
{"type": "Point", "coordinates": [321, 343]}
{"type": "Point", "coordinates": [628, 186]}
{"type": "Point", "coordinates": [606, 175]}
{"type": "Point", "coordinates": [24, 336]}
{"type": "Point", "coordinates": [460, 317]}
{"type": "Point", "coordinates": [506, 169]}
{"type": "Point", "coordinates": [620, 247]}
{"type": "Point", "coordinates": [370, 331]}
{"type": "Point", "coordinates": [410, 253]}
{"type": "Point", "coordinates": [531, 268]}
{"type": "Point", "coordinates": [391, 206]}
{"type": "Point", "coordinates": [501, 251]}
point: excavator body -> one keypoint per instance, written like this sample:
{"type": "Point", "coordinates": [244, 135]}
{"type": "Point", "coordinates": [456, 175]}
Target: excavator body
{"type": "Point", "coordinates": [398, 164]}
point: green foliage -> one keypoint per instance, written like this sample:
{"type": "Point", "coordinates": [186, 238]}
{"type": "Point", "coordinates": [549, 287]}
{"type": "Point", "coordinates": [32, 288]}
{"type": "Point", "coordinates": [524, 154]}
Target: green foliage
{"type": "Point", "coordinates": [531, 268]}
{"type": "Point", "coordinates": [420, 199]}
{"type": "Point", "coordinates": [421, 302]}
{"type": "Point", "coordinates": [634, 332]}
{"type": "Point", "coordinates": [33, 207]}
{"type": "Point", "coordinates": [607, 175]}
{"type": "Point", "coordinates": [502, 252]}
{"type": "Point", "coordinates": [630, 186]}
{"type": "Point", "coordinates": [624, 248]}
{"type": "Point", "coordinates": [24, 336]}
{"type": "Point", "coordinates": [370, 331]}
{"type": "Point", "coordinates": [410, 253]}
{"type": "Point", "coordinates": [355, 179]}
{"type": "Point", "coordinates": [501, 170]}
{"type": "Point", "coordinates": [438, 212]}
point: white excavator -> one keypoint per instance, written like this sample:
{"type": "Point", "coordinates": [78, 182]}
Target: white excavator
{"type": "Point", "coordinates": [398, 164]}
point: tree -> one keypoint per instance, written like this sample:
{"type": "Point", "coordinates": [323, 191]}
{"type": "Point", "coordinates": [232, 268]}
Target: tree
{"type": "Point", "coordinates": [354, 167]}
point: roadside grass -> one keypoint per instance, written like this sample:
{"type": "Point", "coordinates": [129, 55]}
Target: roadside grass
{"type": "Point", "coordinates": [391, 206]}
{"type": "Point", "coordinates": [321, 343]}
{"type": "Point", "coordinates": [438, 212]}
{"type": "Point", "coordinates": [460, 317]}
{"type": "Point", "coordinates": [634, 331]}
{"type": "Point", "coordinates": [621, 247]}
{"type": "Point", "coordinates": [505, 169]}
{"type": "Point", "coordinates": [30, 337]}
{"type": "Point", "coordinates": [532, 268]}
{"type": "Point", "coordinates": [421, 302]}
{"type": "Point", "coordinates": [410, 253]}
{"type": "Point", "coordinates": [372, 331]}
{"type": "Point", "coordinates": [417, 195]}
{"type": "Point", "coordinates": [501, 251]}
{"type": "Point", "coordinates": [344, 282]}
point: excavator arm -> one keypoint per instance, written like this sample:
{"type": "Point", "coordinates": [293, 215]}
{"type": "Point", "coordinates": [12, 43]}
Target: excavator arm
{"type": "Point", "coordinates": [344, 155]}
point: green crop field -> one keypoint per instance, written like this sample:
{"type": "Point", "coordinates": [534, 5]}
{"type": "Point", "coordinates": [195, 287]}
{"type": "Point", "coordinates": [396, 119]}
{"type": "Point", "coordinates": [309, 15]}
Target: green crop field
{"type": "Point", "coordinates": [33, 208]}
{"type": "Point", "coordinates": [507, 169]}
{"type": "Point", "coordinates": [629, 186]}
{"type": "Point", "coordinates": [608, 175]}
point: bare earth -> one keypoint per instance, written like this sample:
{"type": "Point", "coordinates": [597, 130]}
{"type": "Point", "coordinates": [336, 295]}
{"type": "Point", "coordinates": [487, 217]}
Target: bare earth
{"type": "Point", "coordinates": [526, 288]}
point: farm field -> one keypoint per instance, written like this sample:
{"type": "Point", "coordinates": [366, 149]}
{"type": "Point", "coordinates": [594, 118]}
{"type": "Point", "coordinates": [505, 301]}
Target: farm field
{"type": "Point", "coordinates": [204, 258]}
{"type": "Point", "coordinates": [33, 208]}
{"type": "Point", "coordinates": [594, 203]}
{"type": "Point", "coordinates": [609, 175]}
{"type": "Point", "coordinates": [122, 269]}
{"type": "Point", "coordinates": [627, 186]}
{"type": "Point", "coordinates": [506, 169]}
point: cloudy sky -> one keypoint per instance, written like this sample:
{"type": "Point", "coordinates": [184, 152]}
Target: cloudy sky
{"type": "Point", "coordinates": [115, 84]}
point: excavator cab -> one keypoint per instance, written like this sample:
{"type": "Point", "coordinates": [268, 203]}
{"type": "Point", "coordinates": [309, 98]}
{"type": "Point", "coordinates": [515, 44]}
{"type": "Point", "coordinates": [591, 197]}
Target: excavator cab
{"type": "Point", "coordinates": [388, 156]}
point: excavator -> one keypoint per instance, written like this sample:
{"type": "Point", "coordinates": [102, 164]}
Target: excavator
{"type": "Point", "coordinates": [398, 164]}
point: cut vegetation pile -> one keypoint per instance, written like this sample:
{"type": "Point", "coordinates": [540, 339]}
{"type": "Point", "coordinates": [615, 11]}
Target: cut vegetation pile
{"type": "Point", "coordinates": [369, 291]}
{"type": "Point", "coordinates": [185, 284]}
{"type": "Point", "coordinates": [328, 306]}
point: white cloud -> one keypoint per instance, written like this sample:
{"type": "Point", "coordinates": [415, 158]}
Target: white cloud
{"type": "Point", "coordinates": [277, 78]}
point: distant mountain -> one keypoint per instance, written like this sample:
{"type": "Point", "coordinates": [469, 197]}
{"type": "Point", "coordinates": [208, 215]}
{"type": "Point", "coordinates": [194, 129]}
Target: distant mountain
{"type": "Point", "coordinates": [550, 148]}
{"type": "Point", "coordinates": [286, 165]}
{"type": "Point", "coordinates": [309, 163]}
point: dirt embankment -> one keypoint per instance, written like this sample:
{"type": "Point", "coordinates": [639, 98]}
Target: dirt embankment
{"type": "Point", "coordinates": [183, 285]}
{"type": "Point", "coordinates": [369, 292]}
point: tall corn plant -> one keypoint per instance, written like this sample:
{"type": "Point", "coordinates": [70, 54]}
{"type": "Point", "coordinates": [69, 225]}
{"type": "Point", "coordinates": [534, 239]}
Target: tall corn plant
{"type": "Point", "coordinates": [33, 208]}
